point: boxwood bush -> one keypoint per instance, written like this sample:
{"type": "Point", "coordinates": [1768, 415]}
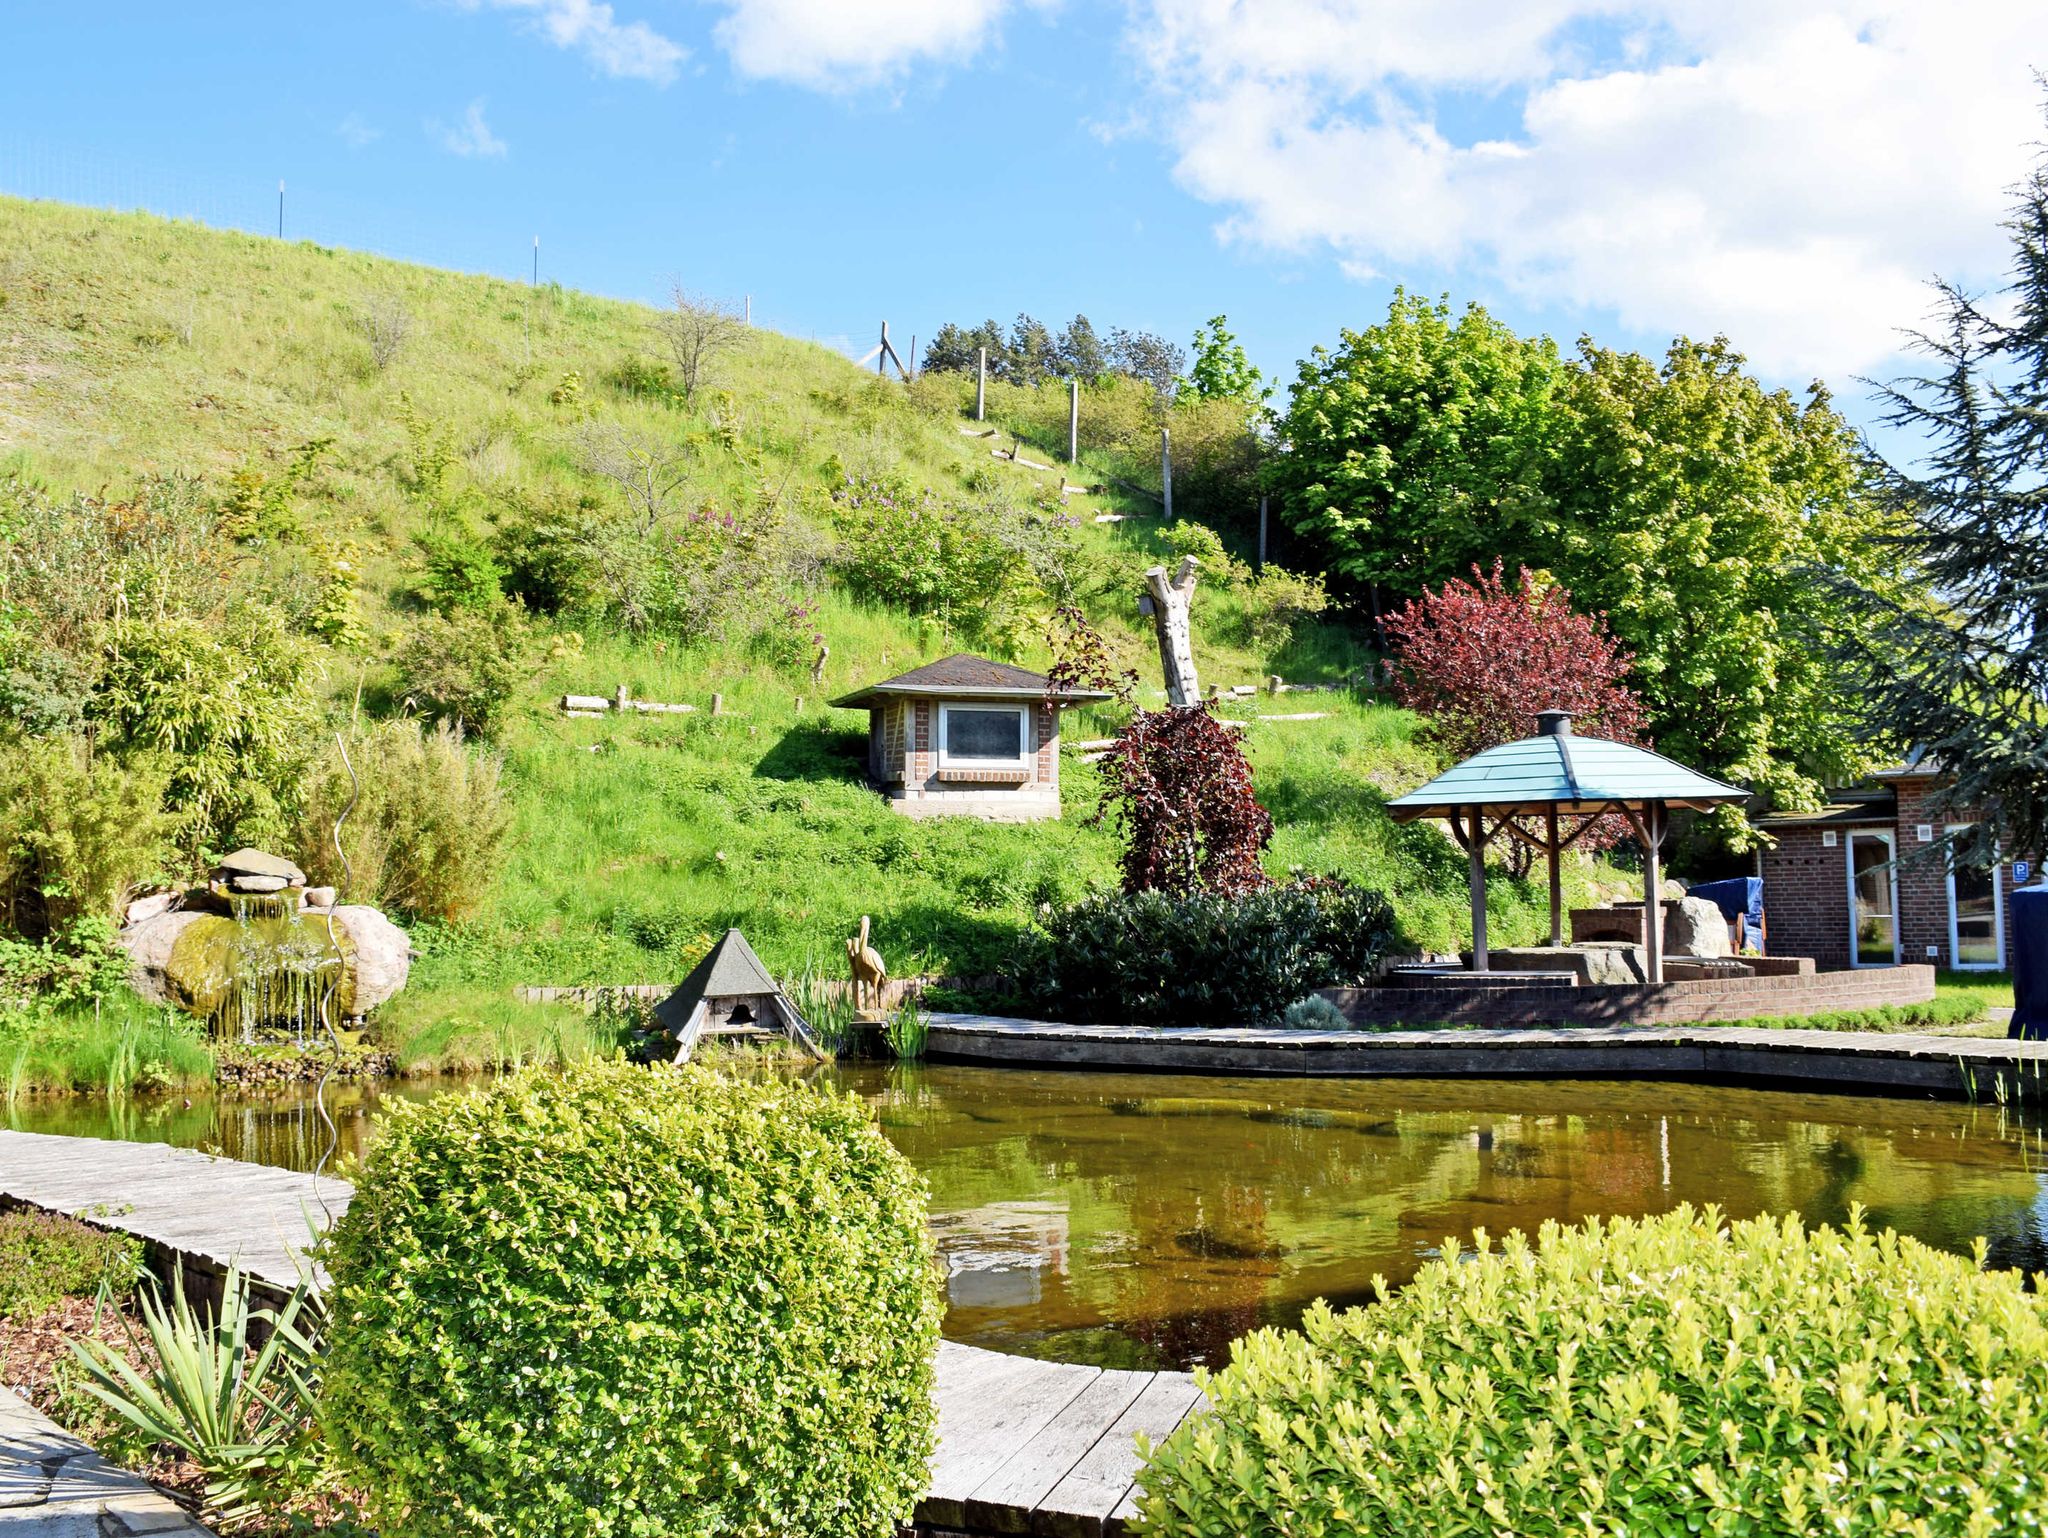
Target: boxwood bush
{"type": "Point", "coordinates": [1148, 958]}
{"type": "Point", "coordinates": [1673, 1375]}
{"type": "Point", "coordinates": [621, 1300]}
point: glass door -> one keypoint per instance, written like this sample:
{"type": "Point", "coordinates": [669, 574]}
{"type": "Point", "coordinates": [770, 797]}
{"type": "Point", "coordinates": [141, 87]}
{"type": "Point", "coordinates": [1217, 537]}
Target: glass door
{"type": "Point", "coordinates": [1873, 900]}
{"type": "Point", "coordinates": [1976, 919]}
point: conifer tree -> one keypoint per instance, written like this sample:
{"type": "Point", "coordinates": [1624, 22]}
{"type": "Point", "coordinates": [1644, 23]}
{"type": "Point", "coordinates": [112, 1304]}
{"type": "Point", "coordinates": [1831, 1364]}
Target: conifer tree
{"type": "Point", "coordinates": [1960, 669]}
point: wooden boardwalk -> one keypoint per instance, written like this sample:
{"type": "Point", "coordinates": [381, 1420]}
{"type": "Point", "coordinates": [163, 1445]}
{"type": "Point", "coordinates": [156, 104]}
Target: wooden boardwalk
{"type": "Point", "coordinates": [1024, 1446]}
{"type": "Point", "coordinates": [1872, 1062]}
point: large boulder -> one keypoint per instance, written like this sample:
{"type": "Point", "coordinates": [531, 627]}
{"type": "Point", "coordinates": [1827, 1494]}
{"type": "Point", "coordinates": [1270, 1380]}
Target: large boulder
{"type": "Point", "coordinates": [382, 954]}
{"type": "Point", "coordinates": [150, 943]}
{"type": "Point", "coordinates": [1693, 926]}
{"type": "Point", "coordinates": [190, 958]}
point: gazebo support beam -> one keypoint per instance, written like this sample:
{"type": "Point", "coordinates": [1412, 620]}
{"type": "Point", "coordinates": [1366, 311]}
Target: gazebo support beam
{"type": "Point", "coordinates": [1649, 827]}
{"type": "Point", "coordinates": [1556, 880]}
{"type": "Point", "coordinates": [1475, 851]}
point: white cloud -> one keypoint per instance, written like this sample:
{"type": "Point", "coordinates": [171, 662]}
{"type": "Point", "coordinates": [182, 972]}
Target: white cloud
{"type": "Point", "coordinates": [629, 49]}
{"type": "Point", "coordinates": [472, 137]}
{"type": "Point", "coordinates": [838, 45]}
{"type": "Point", "coordinates": [1788, 174]}
{"type": "Point", "coordinates": [357, 133]}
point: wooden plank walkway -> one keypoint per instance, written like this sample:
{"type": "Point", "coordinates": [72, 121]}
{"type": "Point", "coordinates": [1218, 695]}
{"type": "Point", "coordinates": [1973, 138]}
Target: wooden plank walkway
{"type": "Point", "coordinates": [1873, 1062]}
{"type": "Point", "coordinates": [1024, 1446]}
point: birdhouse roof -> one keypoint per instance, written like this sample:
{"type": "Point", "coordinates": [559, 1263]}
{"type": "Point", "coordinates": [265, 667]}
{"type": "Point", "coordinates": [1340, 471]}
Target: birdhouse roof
{"type": "Point", "coordinates": [731, 970]}
{"type": "Point", "coordinates": [962, 676]}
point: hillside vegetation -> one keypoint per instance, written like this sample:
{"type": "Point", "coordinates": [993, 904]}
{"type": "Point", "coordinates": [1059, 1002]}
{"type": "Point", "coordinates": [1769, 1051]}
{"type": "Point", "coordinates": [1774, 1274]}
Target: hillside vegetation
{"type": "Point", "coordinates": [377, 488]}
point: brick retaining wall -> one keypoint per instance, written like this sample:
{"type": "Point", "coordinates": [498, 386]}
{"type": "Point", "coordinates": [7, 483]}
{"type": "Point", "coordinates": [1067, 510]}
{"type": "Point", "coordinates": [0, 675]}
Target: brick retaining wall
{"type": "Point", "coordinates": [1675, 1003]}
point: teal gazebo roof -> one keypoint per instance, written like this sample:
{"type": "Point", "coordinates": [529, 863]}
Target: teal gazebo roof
{"type": "Point", "coordinates": [1558, 772]}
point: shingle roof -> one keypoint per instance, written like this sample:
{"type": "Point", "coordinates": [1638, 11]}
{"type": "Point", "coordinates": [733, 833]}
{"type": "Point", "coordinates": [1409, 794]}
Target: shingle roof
{"type": "Point", "coordinates": [732, 970]}
{"type": "Point", "coordinates": [1564, 772]}
{"type": "Point", "coordinates": [968, 676]}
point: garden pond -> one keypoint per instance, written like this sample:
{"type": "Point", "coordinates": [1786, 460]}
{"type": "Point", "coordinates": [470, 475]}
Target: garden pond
{"type": "Point", "coordinates": [1141, 1220]}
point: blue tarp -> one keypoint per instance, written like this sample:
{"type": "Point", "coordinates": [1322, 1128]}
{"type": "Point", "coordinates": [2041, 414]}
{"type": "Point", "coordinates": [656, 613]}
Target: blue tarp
{"type": "Point", "coordinates": [2028, 920]}
{"type": "Point", "coordinates": [1740, 895]}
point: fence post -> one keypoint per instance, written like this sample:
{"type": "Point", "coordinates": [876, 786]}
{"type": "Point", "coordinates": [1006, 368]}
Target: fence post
{"type": "Point", "coordinates": [1073, 421]}
{"type": "Point", "coordinates": [1166, 475]}
{"type": "Point", "coordinates": [1262, 535]}
{"type": "Point", "coordinates": [750, 310]}
{"type": "Point", "coordinates": [981, 385]}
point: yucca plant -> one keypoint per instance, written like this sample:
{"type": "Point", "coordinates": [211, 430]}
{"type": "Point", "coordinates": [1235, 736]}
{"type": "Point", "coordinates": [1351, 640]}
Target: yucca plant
{"type": "Point", "coordinates": [240, 1415]}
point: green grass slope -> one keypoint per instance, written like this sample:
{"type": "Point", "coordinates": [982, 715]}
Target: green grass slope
{"type": "Point", "coordinates": [129, 344]}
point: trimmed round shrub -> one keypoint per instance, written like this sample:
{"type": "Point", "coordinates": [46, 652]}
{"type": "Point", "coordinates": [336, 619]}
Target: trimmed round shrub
{"type": "Point", "coordinates": [1673, 1375]}
{"type": "Point", "coordinates": [624, 1300]}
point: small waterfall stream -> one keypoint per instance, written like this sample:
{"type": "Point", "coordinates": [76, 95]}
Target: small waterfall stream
{"type": "Point", "coordinates": [276, 966]}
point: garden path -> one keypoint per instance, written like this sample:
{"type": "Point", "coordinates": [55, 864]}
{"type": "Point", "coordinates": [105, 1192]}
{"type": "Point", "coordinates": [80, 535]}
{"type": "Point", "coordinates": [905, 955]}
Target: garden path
{"type": "Point", "coordinates": [1024, 1446]}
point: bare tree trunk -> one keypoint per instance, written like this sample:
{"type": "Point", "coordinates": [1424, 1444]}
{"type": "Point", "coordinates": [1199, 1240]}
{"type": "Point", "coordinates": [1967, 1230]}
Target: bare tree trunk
{"type": "Point", "coordinates": [1167, 603]}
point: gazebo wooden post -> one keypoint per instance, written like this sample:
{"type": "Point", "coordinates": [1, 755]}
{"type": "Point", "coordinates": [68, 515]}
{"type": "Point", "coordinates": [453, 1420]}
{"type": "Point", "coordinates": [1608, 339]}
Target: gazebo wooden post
{"type": "Point", "coordinates": [1556, 881]}
{"type": "Point", "coordinates": [1475, 849]}
{"type": "Point", "coordinates": [1652, 829]}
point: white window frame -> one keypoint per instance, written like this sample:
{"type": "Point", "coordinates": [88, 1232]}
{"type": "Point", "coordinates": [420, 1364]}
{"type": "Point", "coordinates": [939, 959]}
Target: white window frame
{"type": "Point", "coordinates": [1955, 944]}
{"type": "Point", "coordinates": [1891, 842]}
{"type": "Point", "coordinates": [1026, 746]}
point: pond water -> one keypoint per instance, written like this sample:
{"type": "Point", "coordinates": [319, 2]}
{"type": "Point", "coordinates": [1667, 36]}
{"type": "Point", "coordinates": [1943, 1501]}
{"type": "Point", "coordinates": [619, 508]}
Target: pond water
{"type": "Point", "coordinates": [1147, 1220]}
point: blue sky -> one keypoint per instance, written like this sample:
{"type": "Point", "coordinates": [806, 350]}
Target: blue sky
{"type": "Point", "coordinates": [1787, 173]}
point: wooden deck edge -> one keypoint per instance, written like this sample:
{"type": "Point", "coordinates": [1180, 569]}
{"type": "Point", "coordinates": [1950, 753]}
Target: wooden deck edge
{"type": "Point", "coordinates": [1907, 1064]}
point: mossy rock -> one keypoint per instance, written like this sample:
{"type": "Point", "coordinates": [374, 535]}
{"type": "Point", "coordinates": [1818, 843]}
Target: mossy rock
{"type": "Point", "coordinates": [278, 958]}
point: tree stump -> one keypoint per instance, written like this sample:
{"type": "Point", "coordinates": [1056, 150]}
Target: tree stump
{"type": "Point", "coordinates": [1167, 603]}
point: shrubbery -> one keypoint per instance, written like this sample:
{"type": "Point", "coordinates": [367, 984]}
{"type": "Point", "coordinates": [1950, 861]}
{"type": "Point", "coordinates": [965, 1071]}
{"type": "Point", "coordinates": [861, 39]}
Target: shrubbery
{"type": "Point", "coordinates": [427, 833]}
{"type": "Point", "coordinates": [45, 1259]}
{"type": "Point", "coordinates": [1149, 958]}
{"type": "Point", "coordinates": [1664, 1375]}
{"type": "Point", "coordinates": [620, 1300]}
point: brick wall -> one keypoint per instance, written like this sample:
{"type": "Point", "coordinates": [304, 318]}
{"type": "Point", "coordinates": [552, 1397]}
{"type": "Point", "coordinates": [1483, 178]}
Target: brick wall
{"type": "Point", "coordinates": [1806, 897]}
{"type": "Point", "coordinates": [1735, 998]}
{"type": "Point", "coordinates": [1806, 885]}
{"type": "Point", "coordinates": [1046, 761]}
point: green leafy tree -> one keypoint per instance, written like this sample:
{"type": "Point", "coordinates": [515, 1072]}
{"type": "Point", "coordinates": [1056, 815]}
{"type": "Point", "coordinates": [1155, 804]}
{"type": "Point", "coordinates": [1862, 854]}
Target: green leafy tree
{"type": "Point", "coordinates": [1693, 507]}
{"type": "Point", "coordinates": [1033, 356]}
{"type": "Point", "coordinates": [1417, 447]}
{"type": "Point", "coordinates": [1080, 352]}
{"type": "Point", "coordinates": [1966, 676]}
{"type": "Point", "coordinates": [1221, 370]}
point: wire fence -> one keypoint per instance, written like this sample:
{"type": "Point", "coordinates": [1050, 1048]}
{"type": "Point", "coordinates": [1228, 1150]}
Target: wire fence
{"type": "Point", "coordinates": [501, 245]}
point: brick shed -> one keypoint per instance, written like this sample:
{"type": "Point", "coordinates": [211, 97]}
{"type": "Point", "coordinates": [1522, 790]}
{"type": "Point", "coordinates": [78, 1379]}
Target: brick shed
{"type": "Point", "coordinates": [1880, 848]}
{"type": "Point", "coordinates": [967, 737]}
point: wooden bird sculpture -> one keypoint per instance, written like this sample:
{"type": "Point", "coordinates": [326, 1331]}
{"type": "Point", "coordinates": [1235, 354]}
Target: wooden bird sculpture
{"type": "Point", "coordinates": [869, 972]}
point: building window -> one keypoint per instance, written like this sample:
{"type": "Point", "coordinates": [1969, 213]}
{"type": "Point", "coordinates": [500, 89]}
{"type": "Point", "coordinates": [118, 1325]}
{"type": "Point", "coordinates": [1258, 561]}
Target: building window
{"type": "Point", "coordinates": [983, 735]}
{"type": "Point", "coordinates": [1976, 918]}
{"type": "Point", "coordinates": [1873, 900]}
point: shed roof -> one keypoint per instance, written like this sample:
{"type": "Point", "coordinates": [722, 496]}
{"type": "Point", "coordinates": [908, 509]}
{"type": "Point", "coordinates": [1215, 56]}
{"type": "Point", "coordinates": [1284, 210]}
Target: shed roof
{"type": "Point", "coordinates": [963, 676]}
{"type": "Point", "coordinates": [1852, 808]}
{"type": "Point", "coordinates": [1557, 771]}
{"type": "Point", "coordinates": [732, 970]}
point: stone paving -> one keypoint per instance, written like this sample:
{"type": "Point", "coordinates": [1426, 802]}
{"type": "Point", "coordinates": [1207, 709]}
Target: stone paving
{"type": "Point", "coordinates": [54, 1486]}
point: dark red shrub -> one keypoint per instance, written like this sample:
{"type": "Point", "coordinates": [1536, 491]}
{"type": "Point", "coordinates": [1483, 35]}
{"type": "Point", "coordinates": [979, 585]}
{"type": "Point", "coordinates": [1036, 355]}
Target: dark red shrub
{"type": "Point", "coordinates": [1478, 660]}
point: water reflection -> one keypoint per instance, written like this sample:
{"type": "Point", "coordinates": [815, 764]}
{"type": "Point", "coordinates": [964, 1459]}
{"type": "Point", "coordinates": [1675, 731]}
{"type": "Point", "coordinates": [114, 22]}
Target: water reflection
{"type": "Point", "coordinates": [1143, 1220]}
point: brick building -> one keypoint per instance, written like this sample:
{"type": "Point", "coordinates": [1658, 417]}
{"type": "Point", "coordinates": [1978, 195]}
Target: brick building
{"type": "Point", "coordinates": [1878, 852]}
{"type": "Point", "coordinates": [967, 737]}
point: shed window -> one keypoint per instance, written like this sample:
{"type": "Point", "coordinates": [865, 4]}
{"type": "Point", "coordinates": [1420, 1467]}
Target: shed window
{"type": "Point", "coordinates": [981, 734]}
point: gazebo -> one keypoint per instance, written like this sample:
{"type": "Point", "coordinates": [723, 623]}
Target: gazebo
{"type": "Point", "coordinates": [1545, 779]}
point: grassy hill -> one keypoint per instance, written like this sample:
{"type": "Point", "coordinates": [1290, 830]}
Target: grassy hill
{"type": "Point", "coordinates": [130, 345]}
